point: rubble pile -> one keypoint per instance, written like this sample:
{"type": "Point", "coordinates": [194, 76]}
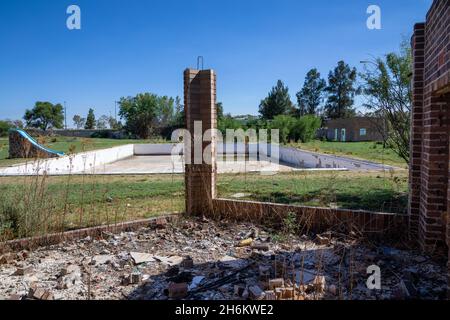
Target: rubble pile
{"type": "Point", "coordinates": [201, 259]}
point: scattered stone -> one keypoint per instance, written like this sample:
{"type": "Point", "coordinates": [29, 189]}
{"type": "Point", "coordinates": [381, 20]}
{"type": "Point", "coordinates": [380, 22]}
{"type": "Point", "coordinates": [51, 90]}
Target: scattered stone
{"type": "Point", "coordinates": [332, 289]}
{"type": "Point", "coordinates": [319, 284]}
{"type": "Point", "coordinates": [270, 295]}
{"type": "Point", "coordinates": [15, 297]}
{"type": "Point", "coordinates": [22, 271]}
{"type": "Point", "coordinates": [71, 268]}
{"type": "Point", "coordinates": [276, 283]}
{"type": "Point", "coordinates": [187, 263]}
{"type": "Point", "coordinates": [139, 257]}
{"type": "Point", "coordinates": [178, 290]}
{"type": "Point", "coordinates": [288, 270]}
{"type": "Point", "coordinates": [264, 273]}
{"type": "Point", "coordinates": [39, 294]}
{"type": "Point", "coordinates": [231, 262]}
{"type": "Point", "coordinates": [136, 277]}
{"type": "Point", "coordinates": [261, 247]}
{"type": "Point", "coordinates": [288, 293]}
{"type": "Point", "coordinates": [161, 223]}
{"type": "Point", "coordinates": [323, 241]}
{"type": "Point", "coordinates": [7, 258]}
{"type": "Point", "coordinates": [171, 261]}
{"type": "Point", "coordinates": [196, 282]}
{"type": "Point", "coordinates": [239, 289]}
{"type": "Point", "coordinates": [255, 293]}
{"type": "Point", "coordinates": [173, 271]}
{"type": "Point", "coordinates": [102, 259]}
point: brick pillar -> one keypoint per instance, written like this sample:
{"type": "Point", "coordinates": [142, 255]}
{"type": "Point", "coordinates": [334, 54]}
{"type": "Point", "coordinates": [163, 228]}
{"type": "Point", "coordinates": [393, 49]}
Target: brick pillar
{"type": "Point", "coordinates": [448, 203]}
{"type": "Point", "coordinates": [434, 173]}
{"type": "Point", "coordinates": [200, 108]}
{"type": "Point", "coordinates": [418, 47]}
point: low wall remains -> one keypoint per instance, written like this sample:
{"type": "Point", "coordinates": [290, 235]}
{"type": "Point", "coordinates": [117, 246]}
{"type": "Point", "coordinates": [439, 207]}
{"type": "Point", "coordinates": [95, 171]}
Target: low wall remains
{"type": "Point", "coordinates": [80, 163]}
{"type": "Point", "coordinates": [312, 219]}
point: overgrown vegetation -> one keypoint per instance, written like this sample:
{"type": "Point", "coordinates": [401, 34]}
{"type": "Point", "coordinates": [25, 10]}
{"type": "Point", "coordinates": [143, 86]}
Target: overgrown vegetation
{"type": "Point", "coordinates": [388, 95]}
{"type": "Point", "coordinates": [38, 205]}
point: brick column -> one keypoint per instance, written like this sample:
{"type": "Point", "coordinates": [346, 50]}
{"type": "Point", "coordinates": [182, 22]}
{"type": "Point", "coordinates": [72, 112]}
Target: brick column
{"type": "Point", "coordinates": [418, 47]}
{"type": "Point", "coordinates": [200, 109]}
{"type": "Point", "coordinates": [448, 203]}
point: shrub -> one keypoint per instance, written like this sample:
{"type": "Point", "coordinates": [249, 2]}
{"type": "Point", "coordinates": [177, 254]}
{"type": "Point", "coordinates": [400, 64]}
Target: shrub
{"type": "Point", "coordinates": [306, 128]}
{"type": "Point", "coordinates": [4, 128]}
{"type": "Point", "coordinates": [286, 125]}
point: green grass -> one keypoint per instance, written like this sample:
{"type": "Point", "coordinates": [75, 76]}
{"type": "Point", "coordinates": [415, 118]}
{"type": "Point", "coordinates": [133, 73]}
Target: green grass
{"type": "Point", "coordinates": [45, 204]}
{"type": "Point", "coordinates": [381, 192]}
{"type": "Point", "coordinates": [371, 151]}
{"type": "Point", "coordinates": [68, 145]}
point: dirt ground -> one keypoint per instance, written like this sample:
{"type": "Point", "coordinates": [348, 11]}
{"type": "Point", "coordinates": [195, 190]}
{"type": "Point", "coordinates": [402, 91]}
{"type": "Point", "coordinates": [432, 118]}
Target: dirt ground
{"type": "Point", "coordinates": [205, 260]}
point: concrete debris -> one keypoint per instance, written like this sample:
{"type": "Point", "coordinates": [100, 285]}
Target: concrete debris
{"type": "Point", "coordinates": [22, 271]}
{"type": "Point", "coordinates": [7, 258]}
{"type": "Point", "coordinates": [139, 258]}
{"type": "Point", "coordinates": [256, 293]}
{"type": "Point", "coordinates": [196, 281]}
{"type": "Point", "coordinates": [232, 261]}
{"type": "Point", "coordinates": [102, 259]}
{"type": "Point", "coordinates": [37, 293]}
{"type": "Point", "coordinates": [276, 283]}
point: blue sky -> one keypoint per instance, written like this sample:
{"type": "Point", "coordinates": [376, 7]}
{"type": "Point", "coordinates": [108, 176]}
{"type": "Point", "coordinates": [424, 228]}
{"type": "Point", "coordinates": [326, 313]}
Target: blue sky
{"type": "Point", "coordinates": [127, 47]}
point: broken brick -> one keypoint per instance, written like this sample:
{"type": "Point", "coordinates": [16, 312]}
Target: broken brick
{"type": "Point", "coordinates": [276, 283]}
{"type": "Point", "coordinates": [178, 290]}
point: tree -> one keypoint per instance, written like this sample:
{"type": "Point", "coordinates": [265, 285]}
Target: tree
{"type": "Point", "coordinates": [286, 125]}
{"type": "Point", "coordinates": [90, 120]}
{"type": "Point", "coordinates": [164, 112]}
{"type": "Point", "coordinates": [102, 122]}
{"type": "Point", "coordinates": [219, 110]}
{"type": "Point", "coordinates": [141, 113]}
{"type": "Point", "coordinates": [179, 116]}
{"type": "Point", "coordinates": [78, 121]}
{"type": "Point", "coordinates": [388, 96]}
{"type": "Point", "coordinates": [114, 124]}
{"type": "Point", "coordinates": [311, 95]}
{"type": "Point", "coordinates": [45, 115]}
{"type": "Point", "coordinates": [306, 128]}
{"type": "Point", "coordinates": [341, 92]}
{"type": "Point", "coordinates": [4, 127]}
{"type": "Point", "coordinates": [277, 102]}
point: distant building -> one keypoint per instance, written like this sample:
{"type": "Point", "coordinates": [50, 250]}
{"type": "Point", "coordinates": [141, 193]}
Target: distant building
{"type": "Point", "coordinates": [353, 129]}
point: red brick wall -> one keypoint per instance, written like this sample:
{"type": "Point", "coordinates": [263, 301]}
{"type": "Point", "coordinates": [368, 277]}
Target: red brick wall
{"type": "Point", "coordinates": [430, 147]}
{"type": "Point", "coordinates": [312, 219]}
{"type": "Point", "coordinates": [200, 105]}
{"type": "Point", "coordinates": [430, 132]}
{"type": "Point", "coordinates": [418, 49]}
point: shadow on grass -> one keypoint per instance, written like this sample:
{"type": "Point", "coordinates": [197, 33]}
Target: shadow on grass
{"type": "Point", "coordinates": [379, 200]}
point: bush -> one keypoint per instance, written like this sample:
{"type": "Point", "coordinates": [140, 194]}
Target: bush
{"type": "Point", "coordinates": [306, 128]}
{"type": "Point", "coordinates": [4, 128]}
{"type": "Point", "coordinates": [286, 125]}
{"type": "Point", "coordinates": [101, 134]}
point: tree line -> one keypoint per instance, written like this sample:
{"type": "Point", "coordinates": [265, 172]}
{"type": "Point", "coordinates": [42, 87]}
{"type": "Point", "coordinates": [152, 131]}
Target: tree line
{"type": "Point", "coordinates": [384, 83]}
{"type": "Point", "coordinates": [338, 95]}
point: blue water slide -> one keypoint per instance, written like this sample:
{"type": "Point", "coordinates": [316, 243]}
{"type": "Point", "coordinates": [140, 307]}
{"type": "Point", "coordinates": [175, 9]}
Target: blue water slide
{"type": "Point", "coordinates": [36, 144]}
